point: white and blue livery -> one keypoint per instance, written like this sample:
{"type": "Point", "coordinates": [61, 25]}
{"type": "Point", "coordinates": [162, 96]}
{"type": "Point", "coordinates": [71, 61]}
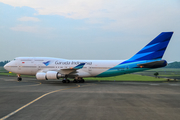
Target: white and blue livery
{"type": "Point", "coordinates": [46, 68]}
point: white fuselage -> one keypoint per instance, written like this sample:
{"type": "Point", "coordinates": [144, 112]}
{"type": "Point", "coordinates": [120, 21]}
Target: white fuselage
{"type": "Point", "coordinates": [33, 65]}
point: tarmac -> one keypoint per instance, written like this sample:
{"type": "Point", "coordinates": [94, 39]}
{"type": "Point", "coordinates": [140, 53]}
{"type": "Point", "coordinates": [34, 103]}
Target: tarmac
{"type": "Point", "coordinates": [33, 99]}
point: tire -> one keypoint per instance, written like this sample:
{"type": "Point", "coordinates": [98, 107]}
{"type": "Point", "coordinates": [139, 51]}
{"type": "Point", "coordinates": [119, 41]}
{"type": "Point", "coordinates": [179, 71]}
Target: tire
{"type": "Point", "coordinates": [19, 79]}
{"type": "Point", "coordinates": [75, 81]}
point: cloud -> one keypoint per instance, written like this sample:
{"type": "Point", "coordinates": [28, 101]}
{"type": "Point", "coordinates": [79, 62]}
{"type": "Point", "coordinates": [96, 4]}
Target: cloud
{"type": "Point", "coordinates": [113, 14]}
{"type": "Point", "coordinates": [29, 19]}
{"type": "Point", "coordinates": [76, 9]}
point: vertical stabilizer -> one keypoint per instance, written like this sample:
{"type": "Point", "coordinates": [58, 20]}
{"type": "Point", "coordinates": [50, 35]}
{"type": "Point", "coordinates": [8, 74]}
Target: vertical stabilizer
{"type": "Point", "coordinates": [153, 50]}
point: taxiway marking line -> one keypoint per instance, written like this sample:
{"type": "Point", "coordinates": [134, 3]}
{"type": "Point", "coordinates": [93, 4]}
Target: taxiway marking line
{"type": "Point", "coordinates": [12, 113]}
{"type": "Point", "coordinates": [23, 86]}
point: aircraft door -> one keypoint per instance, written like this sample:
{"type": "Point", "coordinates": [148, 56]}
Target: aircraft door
{"type": "Point", "coordinates": [19, 65]}
{"type": "Point", "coordinates": [38, 67]}
{"type": "Point", "coordinates": [90, 69]}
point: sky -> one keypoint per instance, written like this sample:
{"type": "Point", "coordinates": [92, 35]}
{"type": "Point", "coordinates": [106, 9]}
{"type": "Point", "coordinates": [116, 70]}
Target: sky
{"type": "Point", "coordinates": [86, 29]}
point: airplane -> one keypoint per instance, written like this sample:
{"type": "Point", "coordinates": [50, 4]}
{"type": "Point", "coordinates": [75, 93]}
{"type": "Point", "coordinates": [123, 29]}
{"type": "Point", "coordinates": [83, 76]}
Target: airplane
{"type": "Point", "coordinates": [47, 68]}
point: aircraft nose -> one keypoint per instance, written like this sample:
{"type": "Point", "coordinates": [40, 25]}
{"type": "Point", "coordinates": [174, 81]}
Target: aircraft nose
{"type": "Point", "coordinates": [7, 67]}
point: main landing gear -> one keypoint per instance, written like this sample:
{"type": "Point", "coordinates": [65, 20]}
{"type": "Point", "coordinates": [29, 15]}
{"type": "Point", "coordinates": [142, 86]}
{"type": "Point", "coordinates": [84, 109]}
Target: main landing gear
{"type": "Point", "coordinates": [76, 80]}
{"type": "Point", "coordinates": [79, 80]}
{"type": "Point", "coordinates": [19, 78]}
{"type": "Point", "coordinates": [65, 80]}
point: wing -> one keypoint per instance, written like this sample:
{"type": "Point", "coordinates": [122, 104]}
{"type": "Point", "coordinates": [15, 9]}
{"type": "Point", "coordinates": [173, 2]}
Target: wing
{"type": "Point", "coordinates": [70, 70]}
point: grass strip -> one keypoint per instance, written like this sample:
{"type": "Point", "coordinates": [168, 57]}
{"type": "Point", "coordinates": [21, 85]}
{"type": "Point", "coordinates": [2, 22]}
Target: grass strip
{"type": "Point", "coordinates": [127, 77]}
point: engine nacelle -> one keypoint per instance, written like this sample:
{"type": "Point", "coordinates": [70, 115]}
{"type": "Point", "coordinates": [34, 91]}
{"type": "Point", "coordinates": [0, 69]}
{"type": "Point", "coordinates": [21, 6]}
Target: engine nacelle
{"type": "Point", "coordinates": [49, 75]}
{"type": "Point", "coordinates": [41, 76]}
{"type": "Point", "coordinates": [52, 75]}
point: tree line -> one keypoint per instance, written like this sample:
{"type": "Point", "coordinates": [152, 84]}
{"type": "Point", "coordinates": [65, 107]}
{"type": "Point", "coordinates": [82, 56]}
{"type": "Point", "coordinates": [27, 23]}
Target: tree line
{"type": "Point", "coordinates": [173, 65]}
{"type": "Point", "coordinates": [2, 63]}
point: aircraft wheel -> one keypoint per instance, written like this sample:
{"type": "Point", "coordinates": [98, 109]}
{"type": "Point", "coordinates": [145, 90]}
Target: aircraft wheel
{"type": "Point", "coordinates": [63, 81]}
{"type": "Point", "coordinates": [75, 81]}
{"type": "Point", "coordinates": [68, 81]}
{"type": "Point", "coordinates": [19, 79]}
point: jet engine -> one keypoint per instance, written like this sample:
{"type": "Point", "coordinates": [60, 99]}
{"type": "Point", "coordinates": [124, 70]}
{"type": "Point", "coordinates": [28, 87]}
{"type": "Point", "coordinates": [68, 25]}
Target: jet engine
{"type": "Point", "coordinates": [52, 75]}
{"type": "Point", "coordinates": [48, 75]}
{"type": "Point", "coordinates": [41, 76]}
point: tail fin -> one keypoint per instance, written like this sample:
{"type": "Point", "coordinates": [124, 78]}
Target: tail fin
{"type": "Point", "coordinates": [155, 49]}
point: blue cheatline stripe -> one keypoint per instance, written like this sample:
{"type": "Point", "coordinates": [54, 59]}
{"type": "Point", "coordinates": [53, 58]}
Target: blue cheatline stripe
{"type": "Point", "coordinates": [114, 72]}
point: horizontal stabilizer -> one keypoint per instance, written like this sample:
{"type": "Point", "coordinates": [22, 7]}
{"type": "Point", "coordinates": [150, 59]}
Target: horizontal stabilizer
{"type": "Point", "coordinates": [155, 64]}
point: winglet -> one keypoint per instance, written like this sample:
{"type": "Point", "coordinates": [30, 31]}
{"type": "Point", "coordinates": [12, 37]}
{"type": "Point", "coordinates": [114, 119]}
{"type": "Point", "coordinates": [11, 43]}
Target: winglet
{"type": "Point", "coordinates": [80, 66]}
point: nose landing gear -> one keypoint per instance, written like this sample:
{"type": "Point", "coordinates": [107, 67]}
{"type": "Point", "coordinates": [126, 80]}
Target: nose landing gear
{"type": "Point", "coordinates": [19, 78]}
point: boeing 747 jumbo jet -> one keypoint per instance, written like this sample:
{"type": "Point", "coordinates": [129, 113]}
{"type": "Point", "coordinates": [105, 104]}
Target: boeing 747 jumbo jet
{"type": "Point", "coordinates": [46, 68]}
